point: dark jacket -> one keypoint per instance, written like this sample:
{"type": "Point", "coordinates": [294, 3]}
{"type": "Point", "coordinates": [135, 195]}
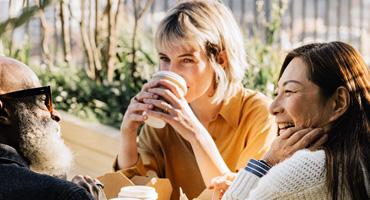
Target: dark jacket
{"type": "Point", "coordinates": [17, 181]}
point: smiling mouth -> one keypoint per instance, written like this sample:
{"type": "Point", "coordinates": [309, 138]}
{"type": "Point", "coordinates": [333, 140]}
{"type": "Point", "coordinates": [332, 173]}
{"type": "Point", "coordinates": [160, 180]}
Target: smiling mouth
{"type": "Point", "coordinates": [286, 125]}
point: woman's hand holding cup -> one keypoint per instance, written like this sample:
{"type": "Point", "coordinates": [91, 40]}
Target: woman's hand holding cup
{"type": "Point", "coordinates": [170, 88]}
{"type": "Point", "coordinates": [133, 116]}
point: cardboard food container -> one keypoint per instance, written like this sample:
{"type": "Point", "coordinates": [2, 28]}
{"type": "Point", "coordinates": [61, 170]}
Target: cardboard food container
{"type": "Point", "coordinates": [113, 182]}
{"type": "Point", "coordinates": [205, 195]}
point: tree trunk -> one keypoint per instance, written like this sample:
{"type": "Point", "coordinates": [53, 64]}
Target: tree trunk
{"type": "Point", "coordinates": [110, 55]}
{"type": "Point", "coordinates": [93, 44]}
{"type": "Point", "coordinates": [86, 43]}
{"type": "Point", "coordinates": [45, 37]}
{"type": "Point", "coordinates": [138, 17]}
{"type": "Point", "coordinates": [65, 32]}
{"type": "Point", "coordinates": [97, 22]}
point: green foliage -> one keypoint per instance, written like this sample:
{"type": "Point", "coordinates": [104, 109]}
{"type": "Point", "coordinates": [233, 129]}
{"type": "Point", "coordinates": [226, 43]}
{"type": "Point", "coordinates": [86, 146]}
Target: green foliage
{"type": "Point", "coordinates": [263, 53]}
{"type": "Point", "coordinates": [25, 16]}
{"type": "Point", "coordinates": [75, 93]}
{"type": "Point", "coordinates": [21, 53]}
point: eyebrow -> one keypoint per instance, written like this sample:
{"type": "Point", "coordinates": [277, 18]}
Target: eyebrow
{"type": "Point", "coordinates": [290, 81]}
{"type": "Point", "coordinates": [183, 55]}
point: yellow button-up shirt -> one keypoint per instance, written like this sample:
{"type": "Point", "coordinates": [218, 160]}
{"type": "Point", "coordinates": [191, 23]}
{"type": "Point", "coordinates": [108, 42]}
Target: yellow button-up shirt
{"type": "Point", "coordinates": [243, 129]}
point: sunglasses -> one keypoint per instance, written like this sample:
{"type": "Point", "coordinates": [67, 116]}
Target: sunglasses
{"type": "Point", "coordinates": [32, 92]}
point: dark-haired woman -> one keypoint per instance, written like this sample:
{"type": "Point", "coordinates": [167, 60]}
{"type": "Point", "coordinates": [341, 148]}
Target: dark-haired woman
{"type": "Point", "coordinates": [323, 85]}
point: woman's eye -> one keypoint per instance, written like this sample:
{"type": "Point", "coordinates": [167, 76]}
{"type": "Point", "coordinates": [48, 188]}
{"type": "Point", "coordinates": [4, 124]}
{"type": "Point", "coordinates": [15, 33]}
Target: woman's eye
{"type": "Point", "coordinates": [288, 92]}
{"type": "Point", "coordinates": [164, 59]}
{"type": "Point", "coordinates": [188, 60]}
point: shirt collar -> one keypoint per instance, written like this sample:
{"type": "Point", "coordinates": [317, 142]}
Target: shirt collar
{"type": "Point", "coordinates": [231, 107]}
{"type": "Point", "coordinates": [8, 153]}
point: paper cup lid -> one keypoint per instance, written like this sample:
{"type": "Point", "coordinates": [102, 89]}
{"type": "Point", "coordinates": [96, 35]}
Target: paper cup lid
{"type": "Point", "coordinates": [138, 192]}
{"type": "Point", "coordinates": [175, 77]}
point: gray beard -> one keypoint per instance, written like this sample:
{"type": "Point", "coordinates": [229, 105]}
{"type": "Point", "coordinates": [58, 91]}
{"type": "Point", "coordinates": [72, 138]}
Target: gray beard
{"type": "Point", "coordinates": [41, 144]}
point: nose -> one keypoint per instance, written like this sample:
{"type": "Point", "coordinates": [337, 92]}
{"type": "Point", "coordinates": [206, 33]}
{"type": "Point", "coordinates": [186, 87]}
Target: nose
{"type": "Point", "coordinates": [172, 67]}
{"type": "Point", "coordinates": [275, 108]}
{"type": "Point", "coordinates": [55, 115]}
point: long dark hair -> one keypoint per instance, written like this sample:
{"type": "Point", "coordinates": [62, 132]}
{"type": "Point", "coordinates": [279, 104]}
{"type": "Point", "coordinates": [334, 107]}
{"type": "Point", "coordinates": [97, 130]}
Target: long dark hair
{"type": "Point", "coordinates": [347, 150]}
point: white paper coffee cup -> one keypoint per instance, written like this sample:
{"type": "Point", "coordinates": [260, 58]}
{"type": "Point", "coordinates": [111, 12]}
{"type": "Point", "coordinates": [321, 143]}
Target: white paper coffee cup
{"type": "Point", "coordinates": [173, 77]}
{"type": "Point", "coordinates": [138, 192]}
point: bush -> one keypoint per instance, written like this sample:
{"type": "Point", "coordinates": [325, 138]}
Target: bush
{"type": "Point", "coordinates": [75, 93]}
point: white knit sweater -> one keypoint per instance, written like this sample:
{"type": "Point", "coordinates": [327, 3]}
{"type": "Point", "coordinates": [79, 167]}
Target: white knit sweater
{"type": "Point", "coordinates": [300, 177]}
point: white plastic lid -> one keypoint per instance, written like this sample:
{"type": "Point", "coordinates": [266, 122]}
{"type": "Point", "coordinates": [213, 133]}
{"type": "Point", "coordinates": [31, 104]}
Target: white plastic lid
{"type": "Point", "coordinates": [173, 76]}
{"type": "Point", "coordinates": [138, 191]}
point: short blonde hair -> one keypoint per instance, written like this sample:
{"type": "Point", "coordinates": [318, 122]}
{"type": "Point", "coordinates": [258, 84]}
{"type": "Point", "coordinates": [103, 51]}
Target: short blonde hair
{"type": "Point", "coordinates": [211, 26]}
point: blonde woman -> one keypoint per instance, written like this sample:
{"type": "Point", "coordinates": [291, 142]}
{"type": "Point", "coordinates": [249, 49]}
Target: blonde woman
{"type": "Point", "coordinates": [218, 125]}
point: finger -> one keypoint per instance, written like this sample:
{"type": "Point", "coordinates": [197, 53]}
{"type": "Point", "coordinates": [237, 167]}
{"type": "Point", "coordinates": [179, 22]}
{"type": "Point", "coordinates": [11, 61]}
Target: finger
{"type": "Point", "coordinates": [77, 178]}
{"type": "Point", "coordinates": [159, 104]}
{"type": "Point", "coordinates": [172, 87]}
{"type": "Point", "coordinates": [289, 132]}
{"type": "Point", "coordinates": [167, 94]}
{"type": "Point", "coordinates": [298, 135]}
{"type": "Point", "coordinates": [309, 138]}
{"type": "Point", "coordinates": [89, 179]}
{"type": "Point", "coordinates": [142, 95]}
{"type": "Point", "coordinates": [215, 181]}
{"type": "Point", "coordinates": [319, 142]}
{"type": "Point", "coordinates": [212, 184]}
{"type": "Point", "coordinates": [135, 110]}
{"type": "Point", "coordinates": [98, 183]}
{"type": "Point", "coordinates": [93, 188]}
{"type": "Point", "coordinates": [224, 185]}
{"type": "Point", "coordinates": [149, 85]}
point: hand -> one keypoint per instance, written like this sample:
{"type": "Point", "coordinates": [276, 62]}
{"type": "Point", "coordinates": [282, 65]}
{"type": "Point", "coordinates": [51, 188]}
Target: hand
{"type": "Point", "coordinates": [87, 183]}
{"type": "Point", "coordinates": [292, 140]}
{"type": "Point", "coordinates": [133, 116]}
{"type": "Point", "coordinates": [222, 182]}
{"type": "Point", "coordinates": [178, 112]}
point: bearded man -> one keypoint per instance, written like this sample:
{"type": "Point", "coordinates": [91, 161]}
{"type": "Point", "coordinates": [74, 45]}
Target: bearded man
{"type": "Point", "coordinates": [32, 154]}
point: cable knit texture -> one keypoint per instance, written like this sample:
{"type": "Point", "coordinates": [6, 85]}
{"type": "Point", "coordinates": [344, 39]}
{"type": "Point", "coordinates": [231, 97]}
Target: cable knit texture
{"type": "Point", "coordinates": [300, 177]}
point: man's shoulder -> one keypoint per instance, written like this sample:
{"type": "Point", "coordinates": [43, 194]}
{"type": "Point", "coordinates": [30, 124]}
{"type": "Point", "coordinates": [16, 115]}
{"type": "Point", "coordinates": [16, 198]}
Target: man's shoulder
{"type": "Point", "coordinates": [22, 183]}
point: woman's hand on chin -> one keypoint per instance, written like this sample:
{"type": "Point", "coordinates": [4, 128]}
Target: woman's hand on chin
{"type": "Point", "coordinates": [292, 140]}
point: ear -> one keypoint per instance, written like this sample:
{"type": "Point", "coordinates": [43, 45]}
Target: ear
{"type": "Point", "coordinates": [4, 115]}
{"type": "Point", "coordinates": [222, 58]}
{"type": "Point", "coordinates": [340, 102]}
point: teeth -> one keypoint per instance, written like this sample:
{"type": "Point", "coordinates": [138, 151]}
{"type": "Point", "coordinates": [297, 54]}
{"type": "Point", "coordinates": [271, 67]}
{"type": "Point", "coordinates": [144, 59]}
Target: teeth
{"type": "Point", "coordinates": [285, 125]}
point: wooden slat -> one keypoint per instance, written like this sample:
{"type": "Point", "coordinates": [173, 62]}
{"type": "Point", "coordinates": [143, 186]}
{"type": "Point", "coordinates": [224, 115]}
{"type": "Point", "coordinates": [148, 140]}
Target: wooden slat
{"type": "Point", "coordinates": [95, 145]}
